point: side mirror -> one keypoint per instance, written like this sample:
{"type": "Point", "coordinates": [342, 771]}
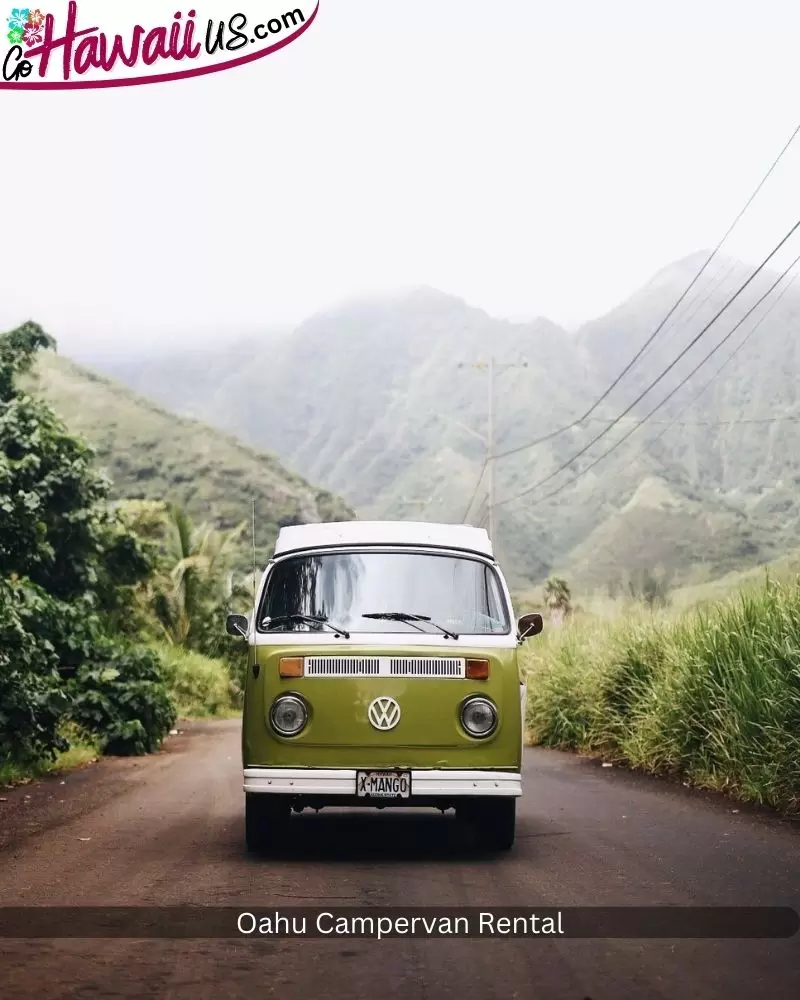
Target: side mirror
{"type": "Point", "coordinates": [237, 625]}
{"type": "Point", "coordinates": [529, 625]}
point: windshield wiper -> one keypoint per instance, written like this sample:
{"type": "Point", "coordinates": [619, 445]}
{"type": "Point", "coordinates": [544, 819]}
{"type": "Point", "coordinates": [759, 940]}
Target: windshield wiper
{"type": "Point", "coordinates": [402, 616]}
{"type": "Point", "coordinates": [315, 619]}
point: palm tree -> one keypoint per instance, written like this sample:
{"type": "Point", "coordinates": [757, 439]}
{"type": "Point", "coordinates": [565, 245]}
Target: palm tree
{"type": "Point", "coordinates": [558, 598]}
{"type": "Point", "coordinates": [197, 578]}
{"type": "Point", "coordinates": [145, 518]}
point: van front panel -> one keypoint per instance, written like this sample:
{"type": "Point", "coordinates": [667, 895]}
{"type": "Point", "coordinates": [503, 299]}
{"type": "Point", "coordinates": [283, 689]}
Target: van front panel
{"type": "Point", "coordinates": [426, 682]}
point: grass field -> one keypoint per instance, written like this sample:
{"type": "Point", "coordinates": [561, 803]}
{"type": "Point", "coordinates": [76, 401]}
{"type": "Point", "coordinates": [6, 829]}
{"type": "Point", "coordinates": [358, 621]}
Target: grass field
{"type": "Point", "coordinates": [710, 695]}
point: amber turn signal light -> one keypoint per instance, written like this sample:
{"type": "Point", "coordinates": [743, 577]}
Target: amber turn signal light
{"type": "Point", "coordinates": [477, 670]}
{"type": "Point", "coordinates": [291, 666]}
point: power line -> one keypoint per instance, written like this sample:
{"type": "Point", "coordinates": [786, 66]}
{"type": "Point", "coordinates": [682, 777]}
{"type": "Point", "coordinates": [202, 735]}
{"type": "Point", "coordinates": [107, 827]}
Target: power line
{"type": "Point", "coordinates": [658, 406]}
{"type": "Point", "coordinates": [483, 510]}
{"type": "Point", "coordinates": [662, 324]}
{"type": "Point", "coordinates": [686, 317]}
{"type": "Point", "coordinates": [717, 373]}
{"type": "Point", "coordinates": [666, 371]}
{"type": "Point", "coordinates": [670, 395]}
{"type": "Point", "coordinates": [722, 423]}
{"type": "Point", "coordinates": [477, 487]}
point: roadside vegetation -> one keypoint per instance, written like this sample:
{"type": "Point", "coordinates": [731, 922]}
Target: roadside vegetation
{"type": "Point", "coordinates": [110, 614]}
{"type": "Point", "coordinates": [709, 695]}
{"type": "Point", "coordinates": [80, 751]}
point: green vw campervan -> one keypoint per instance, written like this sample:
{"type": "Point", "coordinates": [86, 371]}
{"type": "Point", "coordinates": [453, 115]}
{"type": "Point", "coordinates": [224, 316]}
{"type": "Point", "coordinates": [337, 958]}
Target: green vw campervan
{"type": "Point", "coordinates": [383, 672]}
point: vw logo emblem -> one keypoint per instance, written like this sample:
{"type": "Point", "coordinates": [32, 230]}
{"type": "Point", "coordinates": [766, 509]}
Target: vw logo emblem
{"type": "Point", "coordinates": [384, 714]}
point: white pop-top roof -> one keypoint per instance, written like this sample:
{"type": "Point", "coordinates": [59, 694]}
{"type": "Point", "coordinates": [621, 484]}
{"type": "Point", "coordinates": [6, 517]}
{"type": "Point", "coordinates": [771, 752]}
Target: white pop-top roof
{"type": "Point", "coordinates": [358, 533]}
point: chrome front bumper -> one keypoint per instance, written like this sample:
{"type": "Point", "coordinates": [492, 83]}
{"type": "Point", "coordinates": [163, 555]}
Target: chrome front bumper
{"type": "Point", "coordinates": [342, 781]}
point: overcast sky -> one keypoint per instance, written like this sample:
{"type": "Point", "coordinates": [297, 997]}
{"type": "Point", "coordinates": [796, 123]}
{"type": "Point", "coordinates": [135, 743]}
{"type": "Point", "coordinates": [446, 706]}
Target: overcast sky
{"type": "Point", "coordinates": [533, 157]}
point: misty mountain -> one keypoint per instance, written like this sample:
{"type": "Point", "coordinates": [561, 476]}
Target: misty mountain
{"type": "Point", "coordinates": [150, 453]}
{"type": "Point", "coordinates": [378, 401]}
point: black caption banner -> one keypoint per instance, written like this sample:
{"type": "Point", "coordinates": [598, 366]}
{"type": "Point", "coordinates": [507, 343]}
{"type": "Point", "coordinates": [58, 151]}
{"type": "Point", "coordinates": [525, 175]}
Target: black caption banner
{"type": "Point", "coordinates": [396, 922]}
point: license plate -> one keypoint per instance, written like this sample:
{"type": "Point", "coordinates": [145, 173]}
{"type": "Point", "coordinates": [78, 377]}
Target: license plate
{"type": "Point", "coordinates": [383, 784]}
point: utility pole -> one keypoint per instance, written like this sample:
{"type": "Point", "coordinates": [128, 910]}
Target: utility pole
{"type": "Point", "coordinates": [490, 446]}
{"type": "Point", "coordinates": [492, 366]}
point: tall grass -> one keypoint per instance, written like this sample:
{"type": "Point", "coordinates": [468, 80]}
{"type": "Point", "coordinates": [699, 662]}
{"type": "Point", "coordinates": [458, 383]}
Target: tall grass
{"type": "Point", "coordinates": [712, 696]}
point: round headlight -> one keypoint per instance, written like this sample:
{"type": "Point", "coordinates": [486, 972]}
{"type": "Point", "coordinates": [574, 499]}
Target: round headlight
{"type": "Point", "coordinates": [479, 717]}
{"type": "Point", "coordinates": [288, 715]}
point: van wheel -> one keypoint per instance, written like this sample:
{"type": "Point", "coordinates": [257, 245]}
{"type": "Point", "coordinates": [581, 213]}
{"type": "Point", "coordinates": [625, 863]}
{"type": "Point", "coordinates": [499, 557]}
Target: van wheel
{"type": "Point", "coordinates": [495, 824]}
{"type": "Point", "coordinates": [265, 820]}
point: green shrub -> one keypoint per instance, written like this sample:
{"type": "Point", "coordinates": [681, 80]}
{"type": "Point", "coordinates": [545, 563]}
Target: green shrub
{"type": "Point", "coordinates": [120, 697]}
{"type": "Point", "coordinates": [199, 685]}
{"type": "Point", "coordinates": [32, 699]}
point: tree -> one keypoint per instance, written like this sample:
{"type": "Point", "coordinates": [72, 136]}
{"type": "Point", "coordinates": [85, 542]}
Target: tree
{"type": "Point", "coordinates": [652, 588]}
{"type": "Point", "coordinates": [557, 597]}
{"type": "Point", "coordinates": [197, 581]}
{"type": "Point", "coordinates": [67, 567]}
{"type": "Point", "coordinates": [56, 529]}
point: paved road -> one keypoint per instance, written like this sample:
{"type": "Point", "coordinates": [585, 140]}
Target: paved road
{"type": "Point", "coordinates": [169, 830]}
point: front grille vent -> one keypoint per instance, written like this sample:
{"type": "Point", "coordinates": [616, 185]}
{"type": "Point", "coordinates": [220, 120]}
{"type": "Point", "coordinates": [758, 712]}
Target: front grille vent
{"type": "Point", "coordinates": [385, 666]}
{"type": "Point", "coordinates": [440, 666]}
{"type": "Point", "coordinates": [342, 666]}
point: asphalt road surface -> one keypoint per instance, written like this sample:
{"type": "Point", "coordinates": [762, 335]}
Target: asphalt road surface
{"type": "Point", "coordinates": [168, 830]}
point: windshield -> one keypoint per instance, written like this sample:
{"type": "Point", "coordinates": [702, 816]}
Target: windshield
{"type": "Point", "coordinates": [456, 592]}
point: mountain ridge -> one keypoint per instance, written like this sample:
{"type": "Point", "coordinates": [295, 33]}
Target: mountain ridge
{"type": "Point", "coordinates": [380, 402]}
{"type": "Point", "coordinates": [150, 453]}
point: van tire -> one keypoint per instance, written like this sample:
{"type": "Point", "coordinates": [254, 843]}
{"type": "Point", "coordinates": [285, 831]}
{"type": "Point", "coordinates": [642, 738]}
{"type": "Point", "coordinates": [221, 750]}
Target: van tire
{"type": "Point", "coordinates": [495, 823]}
{"type": "Point", "coordinates": [265, 820]}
